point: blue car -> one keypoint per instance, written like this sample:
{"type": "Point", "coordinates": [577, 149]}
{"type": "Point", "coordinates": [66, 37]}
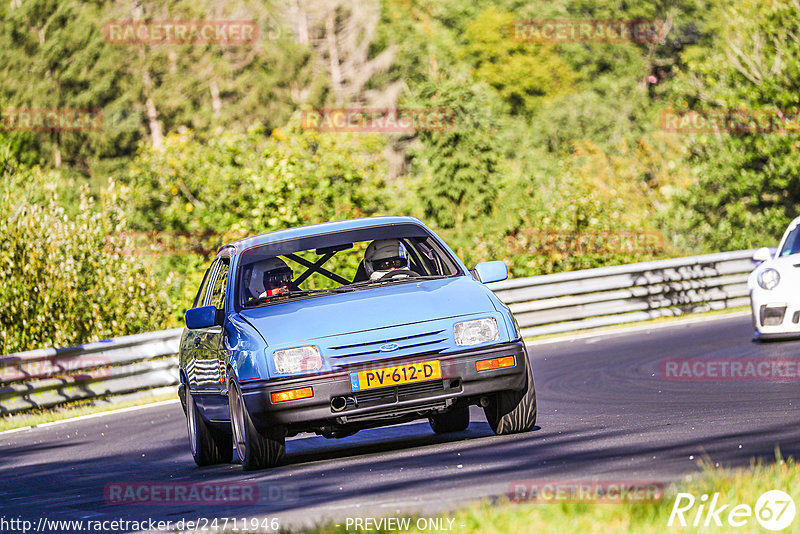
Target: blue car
{"type": "Point", "coordinates": [342, 326]}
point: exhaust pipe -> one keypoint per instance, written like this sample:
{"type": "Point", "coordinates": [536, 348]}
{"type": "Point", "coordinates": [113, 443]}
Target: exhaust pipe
{"type": "Point", "coordinates": [338, 404]}
{"type": "Point", "coordinates": [484, 402]}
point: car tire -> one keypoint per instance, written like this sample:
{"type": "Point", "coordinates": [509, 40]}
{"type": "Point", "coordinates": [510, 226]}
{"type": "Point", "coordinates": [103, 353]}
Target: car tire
{"type": "Point", "coordinates": [454, 420]}
{"type": "Point", "coordinates": [511, 412]}
{"type": "Point", "coordinates": [208, 445]}
{"type": "Point", "coordinates": [256, 448]}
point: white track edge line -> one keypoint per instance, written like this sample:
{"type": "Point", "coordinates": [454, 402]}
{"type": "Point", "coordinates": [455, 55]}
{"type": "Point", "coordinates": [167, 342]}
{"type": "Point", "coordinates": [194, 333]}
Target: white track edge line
{"type": "Point", "coordinates": [92, 416]}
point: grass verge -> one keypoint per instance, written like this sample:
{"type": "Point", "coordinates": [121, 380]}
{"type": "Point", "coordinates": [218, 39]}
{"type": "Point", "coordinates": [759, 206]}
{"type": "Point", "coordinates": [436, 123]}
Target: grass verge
{"type": "Point", "coordinates": [738, 486]}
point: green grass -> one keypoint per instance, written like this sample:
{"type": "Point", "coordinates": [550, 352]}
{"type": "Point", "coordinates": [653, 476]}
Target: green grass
{"type": "Point", "coordinates": [739, 486]}
{"type": "Point", "coordinates": [76, 409]}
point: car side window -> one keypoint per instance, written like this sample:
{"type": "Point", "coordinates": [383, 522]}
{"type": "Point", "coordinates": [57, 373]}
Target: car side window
{"type": "Point", "coordinates": [201, 293]}
{"type": "Point", "coordinates": [220, 285]}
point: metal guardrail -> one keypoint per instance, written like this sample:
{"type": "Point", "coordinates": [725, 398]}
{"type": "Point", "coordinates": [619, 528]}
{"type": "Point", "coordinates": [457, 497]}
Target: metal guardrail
{"type": "Point", "coordinates": [49, 377]}
{"type": "Point", "coordinates": [592, 298]}
{"type": "Point", "coordinates": [546, 304]}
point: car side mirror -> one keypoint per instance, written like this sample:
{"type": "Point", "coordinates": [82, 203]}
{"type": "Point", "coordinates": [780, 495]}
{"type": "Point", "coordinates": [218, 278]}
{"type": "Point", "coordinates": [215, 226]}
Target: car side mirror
{"type": "Point", "coordinates": [491, 271]}
{"type": "Point", "coordinates": [762, 254]}
{"type": "Point", "coordinates": [204, 317]}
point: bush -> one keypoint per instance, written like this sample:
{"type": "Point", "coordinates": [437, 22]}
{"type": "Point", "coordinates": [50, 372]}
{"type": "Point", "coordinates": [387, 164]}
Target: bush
{"type": "Point", "coordinates": [60, 281]}
{"type": "Point", "coordinates": [243, 184]}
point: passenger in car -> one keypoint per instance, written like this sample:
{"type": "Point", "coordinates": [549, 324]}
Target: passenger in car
{"type": "Point", "coordinates": [387, 258]}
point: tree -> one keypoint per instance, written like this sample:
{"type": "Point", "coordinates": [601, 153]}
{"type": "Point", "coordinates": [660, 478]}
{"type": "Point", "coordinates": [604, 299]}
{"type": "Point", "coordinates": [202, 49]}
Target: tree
{"type": "Point", "coordinates": [748, 182]}
{"type": "Point", "coordinates": [524, 74]}
{"type": "Point", "coordinates": [61, 280]}
{"type": "Point", "coordinates": [460, 166]}
{"type": "Point", "coordinates": [53, 56]}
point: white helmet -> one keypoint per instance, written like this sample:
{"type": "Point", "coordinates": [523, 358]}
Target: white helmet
{"type": "Point", "coordinates": [267, 276]}
{"type": "Point", "coordinates": [385, 255]}
{"type": "Point", "coordinates": [277, 276]}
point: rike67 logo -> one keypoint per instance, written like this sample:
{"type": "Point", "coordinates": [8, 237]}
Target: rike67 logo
{"type": "Point", "coordinates": [774, 510]}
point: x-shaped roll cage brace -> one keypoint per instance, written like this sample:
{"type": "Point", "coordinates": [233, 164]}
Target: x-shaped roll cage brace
{"type": "Point", "coordinates": [317, 267]}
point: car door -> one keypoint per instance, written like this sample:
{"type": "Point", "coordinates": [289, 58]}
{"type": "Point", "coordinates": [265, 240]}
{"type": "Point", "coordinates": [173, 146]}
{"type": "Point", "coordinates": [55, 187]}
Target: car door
{"type": "Point", "coordinates": [208, 368]}
{"type": "Point", "coordinates": [191, 339]}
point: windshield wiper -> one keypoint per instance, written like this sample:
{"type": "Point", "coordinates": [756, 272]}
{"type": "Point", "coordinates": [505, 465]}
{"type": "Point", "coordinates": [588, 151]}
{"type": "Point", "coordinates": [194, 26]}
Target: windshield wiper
{"type": "Point", "coordinates": [297, 293]}
{"type": "Point", "coordinates": [366, 283]}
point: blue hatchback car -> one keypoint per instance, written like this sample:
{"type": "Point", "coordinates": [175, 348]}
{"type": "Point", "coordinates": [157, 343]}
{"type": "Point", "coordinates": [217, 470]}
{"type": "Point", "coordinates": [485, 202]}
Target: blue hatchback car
{"type": "Point", "coordinates": [337, 327]}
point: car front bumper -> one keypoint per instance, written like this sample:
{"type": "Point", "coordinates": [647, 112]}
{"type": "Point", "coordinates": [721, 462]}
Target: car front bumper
{"type": "Point", "coordinates": [774, 317]}
{"type": "Point", "coordinates": [461, 384]}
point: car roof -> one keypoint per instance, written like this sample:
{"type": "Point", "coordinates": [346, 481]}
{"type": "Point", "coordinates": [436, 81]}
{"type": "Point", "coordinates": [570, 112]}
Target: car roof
{"type": "Point", "coordinates": [317, 229]}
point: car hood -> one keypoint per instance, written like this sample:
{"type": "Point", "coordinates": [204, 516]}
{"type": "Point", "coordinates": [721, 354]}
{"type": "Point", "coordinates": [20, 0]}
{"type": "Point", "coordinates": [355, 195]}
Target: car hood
{"type": "Point", "coordinates": [368, 309]}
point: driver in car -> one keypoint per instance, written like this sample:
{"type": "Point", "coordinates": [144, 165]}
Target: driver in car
{"type": "Point", "coordinates": [387, 258]}
{"type": "Point", "coordinates": [277, 277]}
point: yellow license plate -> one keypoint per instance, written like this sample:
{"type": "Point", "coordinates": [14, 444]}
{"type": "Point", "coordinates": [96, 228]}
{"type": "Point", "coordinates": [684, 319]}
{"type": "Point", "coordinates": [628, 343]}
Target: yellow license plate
{"type": "Point", "coordinates": [393, 376]}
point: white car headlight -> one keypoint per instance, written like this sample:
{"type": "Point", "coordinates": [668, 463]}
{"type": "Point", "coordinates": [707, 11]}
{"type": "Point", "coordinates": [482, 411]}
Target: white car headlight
{"type": "Point", "coordinates": [475, 332]}
{"type": "Point", "coordinates": [297, 360]}
{"type": "Point", "coordinates": [769, 278]}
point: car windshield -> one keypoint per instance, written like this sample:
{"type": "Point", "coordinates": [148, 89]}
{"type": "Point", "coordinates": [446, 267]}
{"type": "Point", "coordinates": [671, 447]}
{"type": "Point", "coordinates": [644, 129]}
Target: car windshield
{"type": "Point", "coordinates": [792, 243]}
{"type": "Point", "coordinates": [330, 263]}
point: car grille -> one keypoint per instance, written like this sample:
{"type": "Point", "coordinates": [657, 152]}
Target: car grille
{"type": "Point", "coordinates": [421, 344]}
{"type": "Point", "coordinates": [772, 316]}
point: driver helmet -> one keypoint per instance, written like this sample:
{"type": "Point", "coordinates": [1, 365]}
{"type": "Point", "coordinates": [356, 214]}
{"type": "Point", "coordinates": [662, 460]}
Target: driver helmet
{"type": "Point", "coordinates": [384, 255]}
{"type": "Point", "coordinates": [277, 277]}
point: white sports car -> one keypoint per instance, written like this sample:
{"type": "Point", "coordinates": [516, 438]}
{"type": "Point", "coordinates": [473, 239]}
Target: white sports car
{"type": "Point", "coordinates": [775, 287]}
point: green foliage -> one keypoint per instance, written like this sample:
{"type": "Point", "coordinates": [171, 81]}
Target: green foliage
{"type": "Point", "coordinates": [556, 161]}
{"type": "Point", "coordinates": [461, 165]}
{"type": "Point", "coordinates": [233, 184]}
{"type": "Point", "coordinates": [524, 74]}
{"type": "Point", "coordinates": [53, 56]}
{"type": "Point", "coordinates": [241, 183]}
{"type": "Point", "coordinates": [60, 281]}
{"type": "Point", "coordinates": [748, 184]}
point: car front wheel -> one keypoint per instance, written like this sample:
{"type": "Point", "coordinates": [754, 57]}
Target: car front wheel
{"type": "Point", "coordinates": [256, 448]}
{"type": "Point", "coordinates": [511, 412]}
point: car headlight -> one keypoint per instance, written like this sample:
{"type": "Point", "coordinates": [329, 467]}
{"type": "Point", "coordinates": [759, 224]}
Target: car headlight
{"type": "Point", "coordinates": [297, 359]}
{"type": "Point", "coordinates": [475, 332]}
{"type": "Point", "coordinates": [769, 278]}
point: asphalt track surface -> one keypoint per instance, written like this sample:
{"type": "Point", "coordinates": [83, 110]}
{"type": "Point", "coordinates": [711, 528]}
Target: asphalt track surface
{"type": "Point", "coordinates": [605, 412]}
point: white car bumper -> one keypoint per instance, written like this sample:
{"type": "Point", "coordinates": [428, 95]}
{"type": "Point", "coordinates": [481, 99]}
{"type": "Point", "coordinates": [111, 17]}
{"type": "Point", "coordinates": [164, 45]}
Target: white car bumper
{"type": "Point", "coordinates": [773, 314]}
